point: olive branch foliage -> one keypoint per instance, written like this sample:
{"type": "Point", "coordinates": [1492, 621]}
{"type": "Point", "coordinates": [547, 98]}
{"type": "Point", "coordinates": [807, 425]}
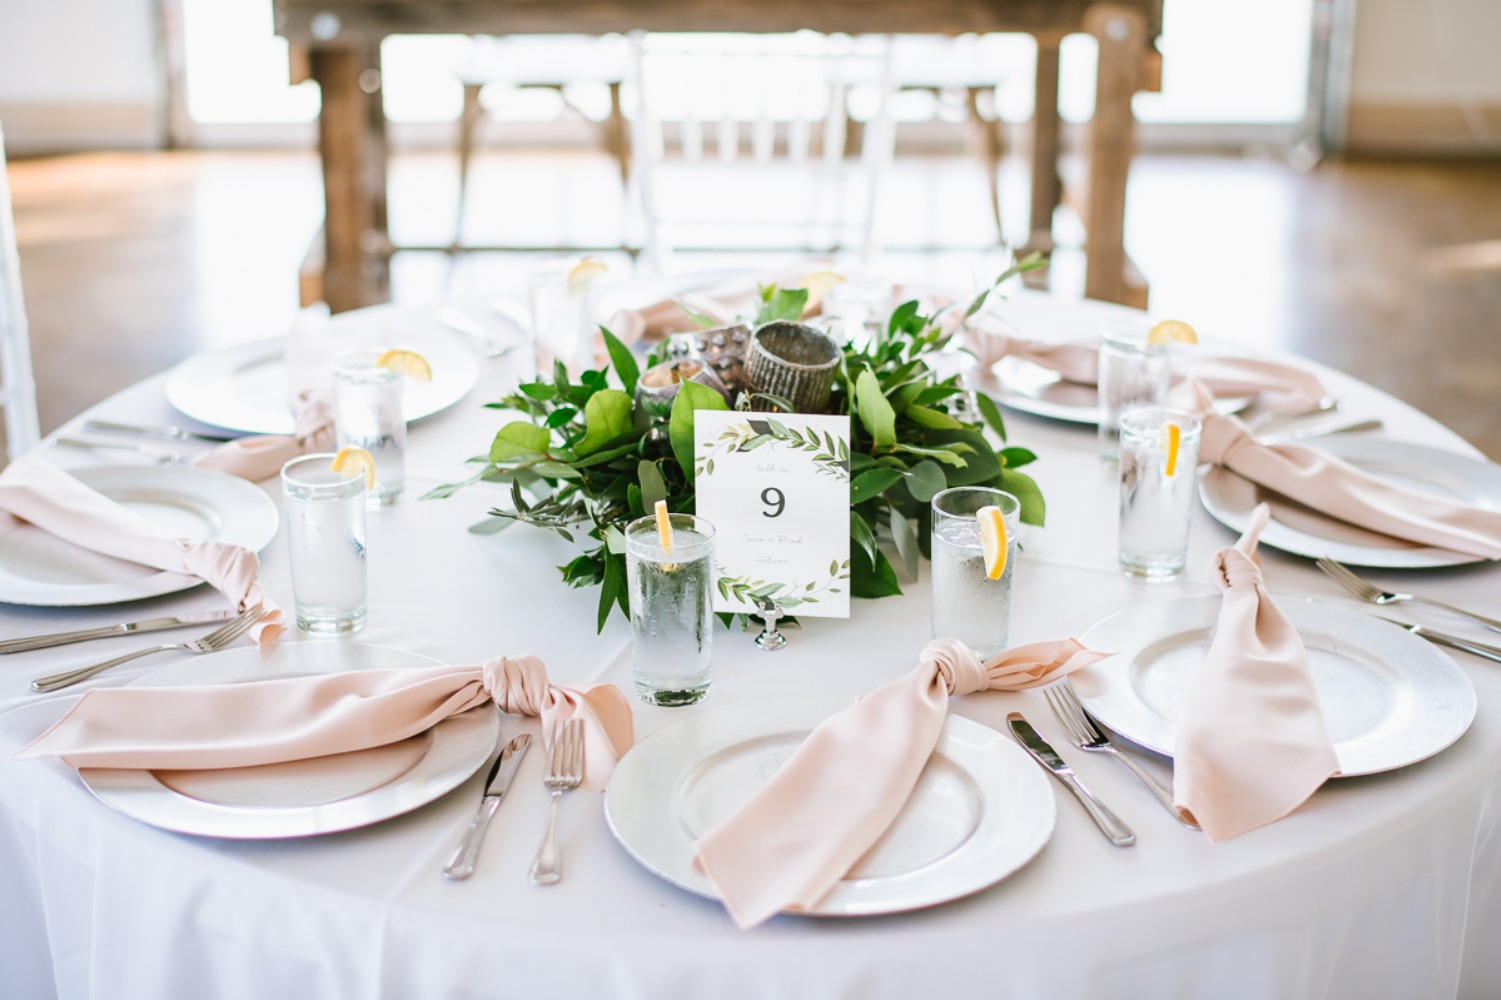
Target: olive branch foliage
{"type": "Point", "coordinates": [579, 462]}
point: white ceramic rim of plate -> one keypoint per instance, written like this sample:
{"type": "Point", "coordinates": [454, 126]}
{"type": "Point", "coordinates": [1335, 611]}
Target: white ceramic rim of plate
{"type": "Point", "coordinates": [1437, 690]}
{"type": "Point", "coordinates": [1010, 833]}
{"type": "Point", "coordinates": [1011, 385]}
{"type": "Point", "coordinates": [460, 746]}
{"type": "Point", "coordinates": [193, 387]}
{"type": "Point", "coordinates": [1485, 476]}
{"type": "Point", "coordinates": [248, 517]}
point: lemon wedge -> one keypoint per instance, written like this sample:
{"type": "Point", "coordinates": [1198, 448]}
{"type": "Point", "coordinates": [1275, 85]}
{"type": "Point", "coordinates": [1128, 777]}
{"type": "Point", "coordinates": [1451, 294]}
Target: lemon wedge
{"type": "Point", "coordinates": [1172, 437]}
{"type": "Point", "coordinates": [664, 526]}
{"type": "Point", "coordinates": [819, 284]}
{"type": "Point", "coordinates": [408, 363]}
{"type": "Point", "coordinates": [352, 459]}
{"type": "Point", "coordinates": [581, 276]}
{"type": "Point", "coordinates": [1172, 331]}
{"type": "Point", "coordinates": [993, 540]}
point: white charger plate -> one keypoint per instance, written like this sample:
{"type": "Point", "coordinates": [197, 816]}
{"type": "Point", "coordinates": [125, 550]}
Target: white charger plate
{"type": "Point", "coordinates": [1389, 698]}
{"type": "Point", "coordinates": [40, 570]}
{"type": "Point", "coordinates": [981, 810]}
{"type": "Point", "coordinates": [299, 798]}
{"type": "Point", "coordinates": [1303, 531]}
{"type": "Point", "coordinates": [246, 387]}
{"type": "Point", "coordinates": [1030, 388]}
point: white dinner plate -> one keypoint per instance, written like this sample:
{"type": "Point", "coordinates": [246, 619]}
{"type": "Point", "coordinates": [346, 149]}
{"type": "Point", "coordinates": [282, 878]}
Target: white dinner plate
{"type": "Point", "coordinates": [300, 798]}
{"type": "Point", "coordinates": [41, 570]}
{"type": "Point", "coordinates": [246, 387]}
{"type": "Point", "coordinates": [1304, 531]}
{"type": "Point", "coordinates": [981, 810]}
{"type": "Point", "coordinates": [1389, 698]}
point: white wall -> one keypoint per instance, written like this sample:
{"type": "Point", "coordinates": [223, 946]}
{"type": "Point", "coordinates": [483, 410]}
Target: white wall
{"type": "Point", "coordinates": [78, 74]}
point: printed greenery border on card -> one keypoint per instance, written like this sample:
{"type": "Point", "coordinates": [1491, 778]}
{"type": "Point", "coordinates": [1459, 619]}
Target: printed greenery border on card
{"type": "Point", "coordinates": [578, 460]}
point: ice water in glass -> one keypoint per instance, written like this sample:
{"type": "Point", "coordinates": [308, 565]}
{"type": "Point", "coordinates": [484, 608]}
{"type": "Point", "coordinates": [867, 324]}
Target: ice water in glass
{"type": "Point", "coordinates": [369, 413]}
{"type": "Point", "coordinates": [671, 609]}
{"type": "Point", "coordinates": [324, 512]}
{"type": "Point", "coordinates": [967, 604]}
{"type": "Point", "coordinates": [564, 318]}
{"type": "Point", "coordinates": [1156, 507]}
{"type": "Point", "coordinates": [1132, 373]}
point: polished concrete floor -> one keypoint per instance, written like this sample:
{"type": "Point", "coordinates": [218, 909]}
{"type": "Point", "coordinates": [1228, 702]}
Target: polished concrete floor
{"type": "Point", "coordinates": [1388, 270]}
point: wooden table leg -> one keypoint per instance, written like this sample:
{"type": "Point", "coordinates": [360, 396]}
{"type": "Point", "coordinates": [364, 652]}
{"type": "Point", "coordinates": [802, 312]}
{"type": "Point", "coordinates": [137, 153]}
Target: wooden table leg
{"type": "Point", "coordinates": [1121, 34]}
{"type": "Point", "coordinates": [352, 142]}
{"type": "Point", "coordinates": [1047, 186]}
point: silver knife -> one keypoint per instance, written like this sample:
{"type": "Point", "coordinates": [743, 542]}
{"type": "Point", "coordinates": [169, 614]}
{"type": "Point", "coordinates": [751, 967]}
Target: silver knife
{"type": "Point", "coordinates": [103, 631]}
{"type": "Point", "coordinates": [156, 431]}
{"type": "Point", "coordinates": [1117, 832]}
{"type": "Point", "coordinates": [1445, 639]}
{"type": "Point", "coordinates": [461, 861]}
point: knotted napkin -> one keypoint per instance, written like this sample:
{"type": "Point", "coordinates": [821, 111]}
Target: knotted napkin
{"type": "Point", "coordinates": [50, 499]}
{"type": "Point", "coordinates": [787, 846]}
{"type": "Point", "coordinates": [296, 718]}
{"type": "Point", "coordinates": [1251, 744]}
{"type": "Point", "coordinates": [1338, 489]}
{"type": "Point", "coordinates": [262, 456]}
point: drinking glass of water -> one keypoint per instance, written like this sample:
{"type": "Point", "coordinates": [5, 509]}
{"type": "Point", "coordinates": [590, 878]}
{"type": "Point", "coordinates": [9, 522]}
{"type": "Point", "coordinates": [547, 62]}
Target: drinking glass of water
{"type": "Point", "coordinates": [1159, 450]}
{"type": "Point", "coordinates": [325, 517]}
{"type": "Point", "coordinates": [967, 604]}
{"type": "Point", "coordinates": [369, 413]}
{"type": "Point", "coordinates": [671, 608]}
{"type": "Point", "coordinates": [1133, 372]}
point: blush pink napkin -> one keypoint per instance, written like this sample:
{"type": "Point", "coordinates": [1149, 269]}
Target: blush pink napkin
{"type": "Point", "coordinates": [262, 456]}
{"type": "Point", "coordinates": [295, 718]}
{"type": "Point", "coordinates": [50, 499]}
{"type": "Point", "coordinates": [724, 303]}
{"type": "Point", "coordinates": [792, 841]}
{"type": "Point", "coordinates": [1340, 490]}
{"type": "Point", "coordinates": [1251, 744]}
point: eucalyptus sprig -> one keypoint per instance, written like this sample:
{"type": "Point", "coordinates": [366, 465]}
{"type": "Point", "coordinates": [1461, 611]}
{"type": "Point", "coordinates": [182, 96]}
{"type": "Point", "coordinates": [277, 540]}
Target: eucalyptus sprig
{"type": "Point", "coordinates": [580, 462]}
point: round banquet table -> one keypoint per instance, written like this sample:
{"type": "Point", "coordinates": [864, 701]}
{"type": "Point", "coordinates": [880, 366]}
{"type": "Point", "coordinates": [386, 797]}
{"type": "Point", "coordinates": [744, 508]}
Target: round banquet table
{"type": "Point", "coordinates": [1381, 886]}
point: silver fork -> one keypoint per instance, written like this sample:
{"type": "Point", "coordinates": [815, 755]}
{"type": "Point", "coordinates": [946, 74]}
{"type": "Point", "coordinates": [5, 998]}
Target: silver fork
{"type": "Point", "coordinates": [212, 642]}
{"type": "Point", "coordinates": [565, 772]}
{"type": "Point", "coordinates": [1367, 591]}
{"type": "Point", "coordinates": [159, 457]}
{"type": "Point", "coordinates": [1087, 736]}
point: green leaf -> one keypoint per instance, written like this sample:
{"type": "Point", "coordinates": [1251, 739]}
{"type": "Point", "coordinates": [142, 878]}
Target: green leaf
{"type": "Point", "coordinates": [700, 320]}
{"type": "Point", "coordinates": [925, 417]}
{"type": "Point", "coordinates": [518, 439]}
{"type": "Point", "coordinates": [491, 525]}
{"type": "Point", "coordinates": [1015, 458]}
{"type": "Point", "coordinates": [925, 480]}
{"type": "Point", "coordinates": [555, 470]}
{"type": "Point", "coordinates": [875, 411]}
{"type": "Point", "coordinates": [1025, 488]}
{"type": "Point", "coordinates": [784, 304]}
{"type": "Point", "coordinates": [540, 391]}
{"type": "Point", "coordinates": [991, 413]}
{"type": "Point", "coordinates": [863, 536]}
{"type": "Point", "coordinates": [611, 588]}
{"type": "Point", "coordinates": [872, 578]}
{"type": "Point", "coordinates": [652, 486]}
{"type": "Point", "coordinates": [622, 359]}
{"type": "Point", "coordinates": [607, 417]}
{"type": "Point", "coordinates": [873, 483]}
{"type": "Point", "coordinates": [943, 455]}
{"type": "Point", "coordinates": [691, 396]}
{"type": "Point", "coordinates": [904, 535]}
{"type": "Point", "coordinates": [902, 317]}
{"type": "Point", "coordinates": [981, 465]}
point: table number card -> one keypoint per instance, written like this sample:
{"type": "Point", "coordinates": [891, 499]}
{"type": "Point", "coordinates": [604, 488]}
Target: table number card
{"type": "Point", "coordinates": [777, 489]}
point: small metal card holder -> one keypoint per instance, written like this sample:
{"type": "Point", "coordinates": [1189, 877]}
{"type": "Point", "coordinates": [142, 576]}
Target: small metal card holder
{"type": "Point", "coordinates": [771, 638]}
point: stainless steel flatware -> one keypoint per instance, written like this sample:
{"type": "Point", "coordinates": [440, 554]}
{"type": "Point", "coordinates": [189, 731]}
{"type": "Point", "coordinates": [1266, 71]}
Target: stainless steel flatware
{"type": "Point", "coordinates": [461, 322]}
{"type": "Point", "coordinates": [461, 862]}
{"type": "Point", "coordinates": [1452, 641]}
{"type": "Point", "coordinates": [1081, 729]}
{"type": "Point", "coordinates": [104, 631]}
{"type": "Point", "coordinates": [1367, 591]}
{"type": "Point", "coordinates": [1321, 430]}
{"type": "Point", "coordinates": [210, 643]}
{"type": "Point", "coordinates": [1116, 831]}
{"type": "Point", "coordinates": [157, 456]}
{"type": "Point", "coordinates": [565, 772]}
{"type": "Point", "coordinates": [165, 432]}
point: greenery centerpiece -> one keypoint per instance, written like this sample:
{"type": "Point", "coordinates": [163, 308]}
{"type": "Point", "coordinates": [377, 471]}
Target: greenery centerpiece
{"type": "Point", "coordinates": [583, 461]}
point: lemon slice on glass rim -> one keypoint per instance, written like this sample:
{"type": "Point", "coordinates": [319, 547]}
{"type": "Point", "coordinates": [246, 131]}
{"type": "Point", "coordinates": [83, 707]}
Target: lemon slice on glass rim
{"type": "Point", "coordinates": [351, 459]}
{"type": "Point", "coordinates": [581, 276]}
{"type": "Point", "coordinates": [819, 284]}
{"type": "Point", "coordinates": [1172, 331]}
{"type": "Point", "coordinates": [404, 362]}
{"type": "Point", "coordinates": [992, 540]}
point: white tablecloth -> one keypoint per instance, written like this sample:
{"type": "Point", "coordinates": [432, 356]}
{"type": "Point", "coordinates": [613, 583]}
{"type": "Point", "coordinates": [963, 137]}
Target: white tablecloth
{"type": "Point", "coordinates": [1380, 887]}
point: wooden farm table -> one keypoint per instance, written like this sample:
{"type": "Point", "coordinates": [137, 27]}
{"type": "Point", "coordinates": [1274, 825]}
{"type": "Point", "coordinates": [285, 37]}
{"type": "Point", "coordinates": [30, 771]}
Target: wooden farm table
{"type": "Point", "coordinates": [337, 43]}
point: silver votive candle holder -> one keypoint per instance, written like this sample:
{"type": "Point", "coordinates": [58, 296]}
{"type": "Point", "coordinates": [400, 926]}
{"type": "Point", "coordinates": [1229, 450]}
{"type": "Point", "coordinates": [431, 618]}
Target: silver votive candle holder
{"type": "Point", "coordinates": [794, 362]}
